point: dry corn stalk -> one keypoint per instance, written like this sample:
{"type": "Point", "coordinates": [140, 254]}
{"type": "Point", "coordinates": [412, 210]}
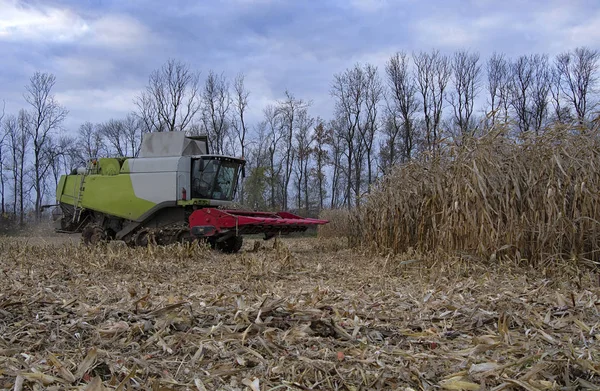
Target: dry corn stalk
{"type": "Point", "coordinates": [535, 199]}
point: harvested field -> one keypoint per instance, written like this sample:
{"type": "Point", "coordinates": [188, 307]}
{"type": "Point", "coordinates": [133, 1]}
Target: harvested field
{"type": "Point", "coordinates": [305, 314]}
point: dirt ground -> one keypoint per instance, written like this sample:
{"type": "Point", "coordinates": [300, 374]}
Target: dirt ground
{"type": "Point", "coordinates": [295, 314]}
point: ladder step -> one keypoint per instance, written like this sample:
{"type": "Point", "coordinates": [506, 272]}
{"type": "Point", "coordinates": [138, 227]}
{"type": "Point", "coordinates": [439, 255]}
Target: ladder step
{"type": "Point", "coordinates": [76, 208]}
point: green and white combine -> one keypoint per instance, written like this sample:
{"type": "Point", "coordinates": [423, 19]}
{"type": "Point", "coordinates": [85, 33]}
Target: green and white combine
{"type": "Point", "coordinates": [175, 191]}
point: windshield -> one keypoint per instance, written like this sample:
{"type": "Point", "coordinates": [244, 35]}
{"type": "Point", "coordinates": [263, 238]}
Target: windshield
{"type": "Point", "coordinates": [216, 181]}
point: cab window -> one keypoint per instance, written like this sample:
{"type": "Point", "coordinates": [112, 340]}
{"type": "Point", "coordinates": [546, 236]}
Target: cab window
{"type": "Point", "coordinates": [216, 181]}
{"type": "Point", "coordinates": [225, 181]}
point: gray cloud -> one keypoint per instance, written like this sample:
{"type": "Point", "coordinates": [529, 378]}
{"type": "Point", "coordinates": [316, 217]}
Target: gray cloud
{"type": "Point", "coordinates": [103, 51]}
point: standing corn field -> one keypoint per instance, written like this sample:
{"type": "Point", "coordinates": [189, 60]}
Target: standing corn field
{"type": "Point", "coordinates": [535, 199]}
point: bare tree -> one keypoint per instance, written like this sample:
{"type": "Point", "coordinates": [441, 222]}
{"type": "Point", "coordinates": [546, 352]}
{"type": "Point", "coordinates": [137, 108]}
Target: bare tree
{"type": "Point", "coordinates": [530, 87]}
{"type": "Point", "coordinates": [466, 70]}
{"type": "Point", "coordinates": [522, 72]}
{"type": "Point", "coordinates": [304, 139]}
{"type": "Point", "coordinates": [216, 103]}
{"type": "Point", "coordinates": [273, 141]}
{"type": "Point", "coordinates": [3, 138]}
{"type": "Point", "coordinates": [358, 92]}
{"type": "Point", "coordinates": [19, 135]}
{"type": "Point", "coordinates": [2, 112]}
{"type": "Point", "coordinates": [561, 112]}
{"type": "Point", "coordinates": [290, 112]}
{"type": "Point", "coordinates": [119, 137]}
{"type": "Point", "coordinates": [505, 92]}
{"type": "Point", "coordinates": [349, 91]}
{"type": "Point", "coordinates": [373, 95]}
{"type": "Point", "coordinates": [578, 72]}
{"type": "Point", "coordinates": [47, 116]}
{"type": "Point", "coordinates": [258, 147]}
{"type": "Point", "coordinates": [402, 105]}
{"type": "Point", "coordinates": [321, 157]}
{"type": "Point", "coordinates": [336, 142]}
{"type": "Point", "coordinates": [171, 98]}
{"type": "Point", "coordinates": [10, 129]}
{"type": "Point", "coordinates": [72, 155]}
{"type": "Point", "coordinates": [497, 86]}
{"type": "Point", "coordinates": [132, 129]}
{"type": "Point", "coordinates": [58, 150]}
{"type": "Point", "coordinates": [3, 149]}
{"type": "Point", "coordinates": [257, 180]}
{"type": "Point", "coordinates": [113, 132]}
{"type": "Point", "coordinates": [90, 142]}
{"type": "Point", "coordinates": [433, 71]}
{"type": "Point", "coordinates": [540, 90]}
{"type": "Point", "coordinates": [391, 147]}
{"type": "Point", "coordinates": [240, 106]}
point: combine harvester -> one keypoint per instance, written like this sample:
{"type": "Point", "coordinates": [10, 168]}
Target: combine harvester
{"type": "Point", "coordinates": [175, 191]}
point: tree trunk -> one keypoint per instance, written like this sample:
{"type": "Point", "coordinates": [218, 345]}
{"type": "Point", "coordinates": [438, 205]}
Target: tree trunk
{"type": "Point", "coordinates": [21, 197]}
{"type": "Point", "coordinates": [38, 186]}
{"type": "Point", "coordinates": [334, 183]}
{"type": "Point", "coordinates": [2, 190]}
{"type": "Point", "coordinates": [3, 200]}
{"type": "Point", "coordinates": [349, 184]}
{"type": "Point", "coordinates": [272, 179]}
{"type": "Point", "coordinates": [306, 186]}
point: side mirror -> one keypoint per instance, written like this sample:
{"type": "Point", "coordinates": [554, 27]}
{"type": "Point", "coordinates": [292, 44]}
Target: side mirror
{"type": "Point", "coordinates": [243, 171]}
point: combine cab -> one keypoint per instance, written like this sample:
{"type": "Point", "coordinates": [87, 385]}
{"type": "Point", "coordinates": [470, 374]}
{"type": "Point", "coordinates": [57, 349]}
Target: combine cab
{"type": "Point", "coordinates": [175, 191]}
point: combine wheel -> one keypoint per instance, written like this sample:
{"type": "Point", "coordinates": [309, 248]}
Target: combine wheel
{"type": "Point", "coordinates": [93, 234]}
{"type": "Point", "coordinates": [144, 237]}
{"type": "Point", "coordinates": [230, 245]}
{"type": "Point", "coordinates": [184, 236]}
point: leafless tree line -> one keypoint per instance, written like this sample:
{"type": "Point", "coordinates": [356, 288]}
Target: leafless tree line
{"type": "Point", "coordinates": [429, 99]}
{"type": "Point", "coordinates": [409, 109]}
{"type": "Point", "coordinates": [176, 99]}
{"type": "Point", "coordinates": [31, 133]}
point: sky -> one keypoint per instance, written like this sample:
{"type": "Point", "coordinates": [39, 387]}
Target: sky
{"type": "Point", "coordinates": [102, 51]}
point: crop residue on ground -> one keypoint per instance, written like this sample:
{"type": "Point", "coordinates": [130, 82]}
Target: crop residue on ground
{"type": "Point", "coordinates": [300, 314]}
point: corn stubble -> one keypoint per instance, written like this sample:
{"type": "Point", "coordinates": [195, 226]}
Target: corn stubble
{"type": "Point", "coordinates": [534, 201]}
{"type": "Point", "coordinates": [292, 314]}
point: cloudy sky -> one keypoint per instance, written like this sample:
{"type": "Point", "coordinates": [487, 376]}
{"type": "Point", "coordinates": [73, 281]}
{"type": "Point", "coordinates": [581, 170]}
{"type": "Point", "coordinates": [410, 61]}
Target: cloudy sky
{"type": "Point", "coordinates": [102, 51]}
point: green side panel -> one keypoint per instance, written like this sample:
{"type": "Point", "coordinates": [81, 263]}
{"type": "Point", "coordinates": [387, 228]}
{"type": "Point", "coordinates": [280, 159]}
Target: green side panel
{"type": "Point", "coordinates": [193, 201]}
{"type": "Point", "coordinates": [112, 195]}
{"type": "Point", "coordinates": [60, 187]}
{"type": "Point", "coordinates": [125, 167]}
{"type": "Point", "coordinates": [109, 166]}
{"type": "Point", "coordinates": [67, 193]}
